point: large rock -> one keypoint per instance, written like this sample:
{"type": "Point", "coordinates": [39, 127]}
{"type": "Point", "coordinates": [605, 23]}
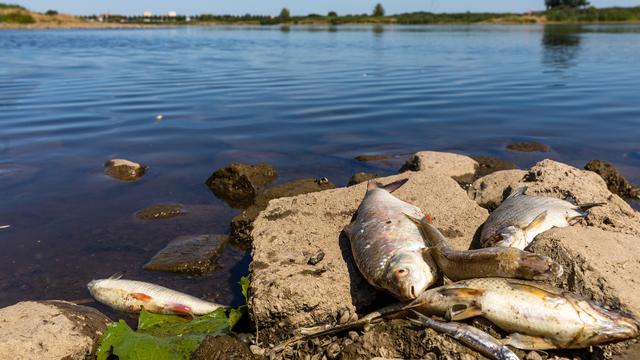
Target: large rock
{"type": "Point", "coordinates": [50, 330]}
{"type": "Point", "coordinates": [489, 190]}
{"type": "Point", "coordinates": [124, 170]}
{"type": "Point", "coordinates": [238, 184]}
{"type": "Point", "coordinates": [616, 182]}
{"type": "Point", "coordinates": [551, 178]}
{"type": "Point", "coordinates": [287, 292]}
{"type": "Point", "coordinates": [191, 254]}
{"type": "Point", "coordinates": [448, 164]}
{"type": "Point", "coordinates": [242, 224]}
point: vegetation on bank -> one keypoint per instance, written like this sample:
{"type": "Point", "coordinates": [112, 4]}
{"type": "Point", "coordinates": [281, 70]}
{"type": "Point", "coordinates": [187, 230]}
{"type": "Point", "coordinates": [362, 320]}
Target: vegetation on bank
{"type": "Point", "coordinates": [16, 14]}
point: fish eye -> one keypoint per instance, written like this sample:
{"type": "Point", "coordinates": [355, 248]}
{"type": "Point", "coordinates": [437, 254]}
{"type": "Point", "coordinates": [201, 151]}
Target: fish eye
{"type": "Point", "coordinates": [401, 272]}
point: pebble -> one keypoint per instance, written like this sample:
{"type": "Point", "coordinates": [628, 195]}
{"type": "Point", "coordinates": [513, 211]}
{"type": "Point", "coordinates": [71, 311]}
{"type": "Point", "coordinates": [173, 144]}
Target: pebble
{"type": "Point", "coordinates": [353, 335]}
{"type": "Point", "coordinates": [532, 355]}
{"type": "Point", "coordinates": [257, 350]}
{"type": "Point", "coordinates": [159, 117]}
{"type": "Point", "coordinates": [333, 351]}
{"type": "Point", "coordinates": [316, 258]}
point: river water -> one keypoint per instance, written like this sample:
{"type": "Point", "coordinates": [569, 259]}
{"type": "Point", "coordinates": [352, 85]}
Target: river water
{"type": "Point", "coordinates": [305, 99]}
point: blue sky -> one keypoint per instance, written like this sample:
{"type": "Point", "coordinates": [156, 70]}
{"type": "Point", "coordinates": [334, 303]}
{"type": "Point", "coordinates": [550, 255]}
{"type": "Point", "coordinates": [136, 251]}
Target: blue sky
{"type": "Point", "coordinates": [297, 7]}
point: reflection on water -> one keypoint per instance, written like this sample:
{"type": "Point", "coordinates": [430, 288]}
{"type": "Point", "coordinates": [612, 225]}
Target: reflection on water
{"type": "Point", "coordinates": [561, 45]}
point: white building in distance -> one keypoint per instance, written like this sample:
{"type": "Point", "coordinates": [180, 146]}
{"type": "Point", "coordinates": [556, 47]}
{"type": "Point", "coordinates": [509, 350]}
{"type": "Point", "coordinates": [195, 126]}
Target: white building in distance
{"type": "Point", "coordinates": [172, 14]}
{"type": "Point", "coordinates": [147, 14]}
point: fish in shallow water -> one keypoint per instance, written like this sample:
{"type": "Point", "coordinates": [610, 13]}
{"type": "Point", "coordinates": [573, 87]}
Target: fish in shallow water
{"type": "Point", "coordinates": [131, 296]}
{"type": "Point", "coordinates": [537, 316]}
{"type": "Point", "coordinates": [488, 262]}
{"type": "Point", "coordinates": [474, 338]}
{"type": "Point", "coordinates": [520, 218]}
{"type": "Point", "coordinates": [387, 246]}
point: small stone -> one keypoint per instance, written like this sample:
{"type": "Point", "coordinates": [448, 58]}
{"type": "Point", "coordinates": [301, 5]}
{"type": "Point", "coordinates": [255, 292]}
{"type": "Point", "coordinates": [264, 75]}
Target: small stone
{"type": "Point", "coordinates": [124, 170]}
{"type": "Point", "coordinates": [257, 350]}
{"type": "Point", "coordinates": [361, 177]}
{"type": "Point", "coordinates": [160, 211]}
{"type": "Point", "coordinates": [316, 258]}
{"type": "Point", "coordinates": [159, 117]}
{"type": "Point", "coordinates": [333, 350]}
{"type": "Point", "coordinates": [238, 184]}
{"type": "Point", "coordinates": [353, 335]}
{"type": "Point", "coordinates": [344, 317]}
{"type": "Point", "coordinates": [532, 355]}
{"type": "Point", "coordinates": [191, 254]}
{"type": "Point", "coordinates": [529, 147]}
{"type": "Point", "coordinates": [322, 181]}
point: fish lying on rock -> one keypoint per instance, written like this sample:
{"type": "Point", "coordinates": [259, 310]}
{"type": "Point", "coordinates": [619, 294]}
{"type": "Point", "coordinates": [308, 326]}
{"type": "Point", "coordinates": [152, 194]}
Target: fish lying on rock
{"type": "Point", "coordinates": [131, 296]}
{"type": "Point", "coordinates": [537, 316]}
{"type": "Point", "coordinates": [520, 218]}
{"type": "Point", "coordinates": [488, 262]}
{"type": "Point", "coordinates": [473, 337]}
{"type": "Point", "coordinates": [387, 246]}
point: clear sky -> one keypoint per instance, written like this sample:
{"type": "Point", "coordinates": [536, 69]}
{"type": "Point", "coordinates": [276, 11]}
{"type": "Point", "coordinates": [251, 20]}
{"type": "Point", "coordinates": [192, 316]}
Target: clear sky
{"type": "Point", "coordinates": [297, 7]}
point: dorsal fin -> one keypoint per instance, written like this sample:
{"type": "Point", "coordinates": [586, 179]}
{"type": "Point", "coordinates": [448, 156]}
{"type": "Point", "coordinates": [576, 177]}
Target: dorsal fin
{"type": "Point", "coordinates": [517, 192]}
{"type": "Point", "coordinates": [116, 276]}
{"type": "Point", "coordinates": [389, 187]}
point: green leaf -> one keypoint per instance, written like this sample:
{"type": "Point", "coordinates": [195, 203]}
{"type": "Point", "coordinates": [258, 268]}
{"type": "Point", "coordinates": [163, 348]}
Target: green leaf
{"type": "Point", "coordinates": [244, 285]}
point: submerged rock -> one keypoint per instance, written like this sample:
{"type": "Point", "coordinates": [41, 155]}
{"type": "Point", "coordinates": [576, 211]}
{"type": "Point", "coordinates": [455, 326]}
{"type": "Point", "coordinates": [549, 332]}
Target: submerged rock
{"type": "Point", "coordinates": [242, 225]}
{"type": "Point", "coordinates": [238, 184]}
{"type": "Point", "coordinates": [529, 147]}
{"type": "Point", "coordinates": [366, 158]}
{"type": "Point", "coordinates": [616, 183]}
{"type": "Point", "coordinates": [191, 254]}
{"type": "Point", "coordinates": [461, 167]}
{"type": "Point", "coordinates": [161, 211]}
{"type": "Point", "coordinates": [488, 165]}
{"type": "Point", "coordinates": [361, 177]}
{"type": "Point", "coordinates": [50, 330]}
{"type": "Point", "coordinates": [223, 347]}
{"type": "Point", "coordinates": [124, 170]}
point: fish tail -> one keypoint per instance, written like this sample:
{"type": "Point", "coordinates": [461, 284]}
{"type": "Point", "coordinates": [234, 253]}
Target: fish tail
{"type": "Point", "coordinates": [389, 187]}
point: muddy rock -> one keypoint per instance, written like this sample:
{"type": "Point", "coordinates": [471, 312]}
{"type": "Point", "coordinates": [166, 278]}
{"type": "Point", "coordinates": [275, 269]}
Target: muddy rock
{"type": "Point", "coordinates": [461, 167]}
{"type": "Point", "coordinates": [361, 177]}
{"type": "Point", "coordinates": [191, 254]}
{"type": "Point", "coordinates": [529, 147]}
{"type": "Point", "coordinates": [161, 211]}
{"type": "Point", "coordinates": [598, 264]}
{"type": "Point", "coordinates": [242, 224]}
{"type": "Point", "coordinates": [366, 158]}
{"type": "Point", "coordinates": [223, 348]}
{"type": "Point", "coordinates": [238, 184]}
{"type": "Point", "coordinates": [287, 292]}
{"type": "Point", "coordinates": [488, 165]}
{"type": "Point", "coordinates": [616, 183]}
{"type": "Point", "coordinates": [489, 190]}
{"type": "Point", "coordinates": [124, 170]}
{"type": "Point", "coordinates": [50, 330]}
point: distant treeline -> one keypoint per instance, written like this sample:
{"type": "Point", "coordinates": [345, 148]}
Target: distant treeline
{"type": "Point", "coordinates": [10, 13]}
{"type": "Point", "coordinates": [591, 14]}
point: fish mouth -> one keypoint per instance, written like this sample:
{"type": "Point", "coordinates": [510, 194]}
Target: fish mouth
{"type": "Point", "coordinates": [412, 292]}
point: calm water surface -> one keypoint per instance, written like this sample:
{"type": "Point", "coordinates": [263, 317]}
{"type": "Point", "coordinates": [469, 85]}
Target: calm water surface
{"type": "Point", "coordinates": [304, 99]}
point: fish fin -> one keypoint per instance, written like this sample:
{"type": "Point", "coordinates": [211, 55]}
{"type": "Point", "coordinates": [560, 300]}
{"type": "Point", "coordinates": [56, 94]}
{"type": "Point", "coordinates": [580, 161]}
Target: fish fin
{"type": "Point", "coordinates": [536, 290]}
{"type": "Point", "coordinates": [539, 220]}
{"type": "Point", "coordinates": [587, 206]}
{"type": "Point", "coordinates": [527, 342]}
{"type": "Point", "coordinates": [446, 280]}
{"type": "Point", "coordinates": [141, 296]}
{"type": "Point", "coordinates": [179, 309]}
{"type": "Point", "coordinates": [347, 229]}
{"type": "Point", "coordinates": [116, 276]}
{"type": "Point", "coordinates": [517, 192]}
{"type": "Point", "coordinates": [389, 187]}
{"type": "Point", "coordinates": [462, 293]}
{"type": "Point", "coordinates": [461, 311]}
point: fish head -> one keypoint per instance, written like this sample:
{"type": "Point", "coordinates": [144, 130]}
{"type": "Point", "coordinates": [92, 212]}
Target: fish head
{"type": "Point", "coordinates": [408, 275]}
{"type": "Point", "coordinates": [511, 236]}
{"type": "Point", "coordinates": [605, 325]}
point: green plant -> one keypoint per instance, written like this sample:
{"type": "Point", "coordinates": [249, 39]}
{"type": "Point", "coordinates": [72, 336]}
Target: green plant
{"type": "Point", "coordinates": [51, 12]}
{"type": "Point", "coordinates": [378, 10]}
{"type": "Point", "coordinates": [17, 17]}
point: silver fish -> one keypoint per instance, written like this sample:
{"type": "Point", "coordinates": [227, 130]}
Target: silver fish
{"type": "Point", "coordinates": [387, 246]}
{"type": "Point", "coordinates": [537, 316]}
{"type": "Point", "coordinates": [131, 296]}
{"type": "Point", "coordinates": [520, 218]}
{"type": "Point", "coordinates": [474, 338]}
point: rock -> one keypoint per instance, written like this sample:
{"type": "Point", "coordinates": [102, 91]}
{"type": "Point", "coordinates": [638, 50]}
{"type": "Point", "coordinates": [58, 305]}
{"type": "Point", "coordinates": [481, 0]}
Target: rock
{"type": "Point", "coordinates": [242, 224]}
{"type": "Point", "coordinates": [366, 158]}
{"type": "Point", "coordinates": [223, 347]}
{"type": "Point", "coordinates": [191, 254]}
{"type": "Point", "coordinates": [238, 184]}
{"type": "Point", "coordinates": [616, 183]}
{"type": "Point", "coordinates": [397, 340]}
{"type": "Point", "coordinates": [551, 178]}
{"type": "Point", "coordinates": [124, 170]}
{"type": "Point", "coordinates": [285, 290]}
{"type": "Point", "coordinates": [532, 355]}
{"type": "Point", "coordinates": [598, 264]}
{"type": "Point", "coordinates": [161, 211]}
{"type": "Point", "coordinates": [488, 165]}
{"type": "Point", "coordinates": [529, 147]}
{"type": "Point", "coordinates": [460, 167]}
{"type": "Point", "coordinates": [489, 190]}
{"type": "Point", "coordinates": [50, 330]}
{"type": "Point", "coordinates": [361, 177]}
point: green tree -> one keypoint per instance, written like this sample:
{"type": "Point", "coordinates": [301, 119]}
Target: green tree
{"type": "Point", "coordinates": [51, 12]}
{"type": "Point", "coordinates": [284, 14]}
{"type": "Point", "coordinates": [378, 10]}
{"type": "Point", "coordinates": [332, 14]}
{"type": "Point", "coordinates": [566, 3]}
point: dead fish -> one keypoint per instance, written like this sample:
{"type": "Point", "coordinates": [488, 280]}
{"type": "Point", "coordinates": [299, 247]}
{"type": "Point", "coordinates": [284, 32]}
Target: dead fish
{"type": "Point", "coordinates": [131, 296]}
{"type": "Point", "coordinates": [537, 316]}
{"type": "Point", "coordinates": [520, 218]}
{"type": "Point", "coordinates": [487, 262]}
{"type": "Point", "coordinates": [387, 246]}
{"type": "Point", "coordinates": [474, 338]}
